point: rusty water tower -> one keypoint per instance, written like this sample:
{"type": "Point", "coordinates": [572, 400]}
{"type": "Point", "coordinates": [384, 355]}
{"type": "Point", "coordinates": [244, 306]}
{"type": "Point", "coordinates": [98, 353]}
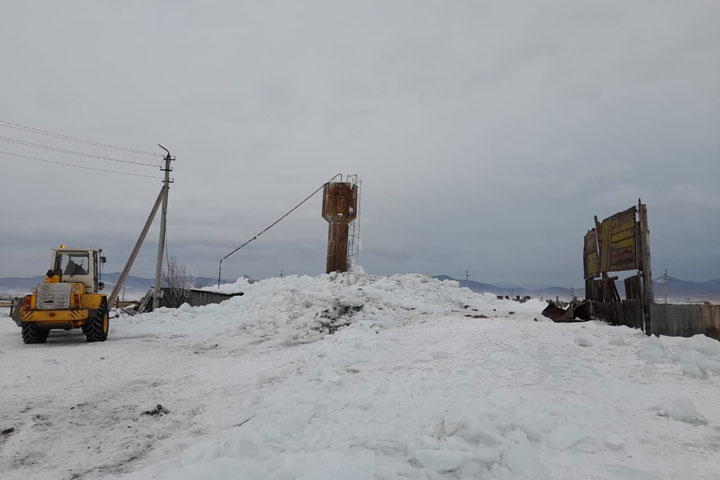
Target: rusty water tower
{"type": "Point", "coordinates": [339, 208]}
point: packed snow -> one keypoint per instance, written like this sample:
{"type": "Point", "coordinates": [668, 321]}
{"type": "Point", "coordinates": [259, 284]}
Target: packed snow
{"type": "Point", "coordinates": [354, 376]}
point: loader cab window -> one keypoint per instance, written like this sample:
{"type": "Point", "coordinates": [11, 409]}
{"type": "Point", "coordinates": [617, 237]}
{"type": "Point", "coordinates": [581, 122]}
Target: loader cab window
{"type": "Point", "coordinates": [72, 263]}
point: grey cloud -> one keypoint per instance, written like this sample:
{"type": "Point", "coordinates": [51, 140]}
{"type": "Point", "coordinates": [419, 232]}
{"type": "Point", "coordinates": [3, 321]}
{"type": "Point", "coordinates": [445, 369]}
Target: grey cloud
{"type": "Point", "coordinates": [487, 134]}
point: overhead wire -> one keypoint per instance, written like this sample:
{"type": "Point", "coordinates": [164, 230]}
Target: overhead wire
{"type": "Point", "coordinates": [72, 152]}
{"type": "Point", "coordinates": [77, 166]}
{"type": "Point", "coordinates": [274, 223]}
{"type": "Point", "coordinates": [61, 136]}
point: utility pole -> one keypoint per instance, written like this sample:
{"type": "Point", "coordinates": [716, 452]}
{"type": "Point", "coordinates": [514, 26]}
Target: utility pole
{"type": "Point", "coordinates": [136, 249]}
{"type": "Point", "coordinates": [163, 220]}
{"type": "Point", "coordinates": [666, 280]}
{"type": "Point", "coordinates": [281, 273]}
{"type": "Point", "coordinates": [467, 276]}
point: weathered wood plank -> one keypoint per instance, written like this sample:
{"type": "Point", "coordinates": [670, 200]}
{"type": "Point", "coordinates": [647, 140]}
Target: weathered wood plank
{"type": "Point", "coordinates": [710, 319]}
{"type": "Point", "coordinates": [645, 264]}
{"type": "Point", "coordinates": [683, 320]}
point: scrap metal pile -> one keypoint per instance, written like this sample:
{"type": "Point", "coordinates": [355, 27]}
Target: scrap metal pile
{"type": "Point", "coordinates": [575, 312]}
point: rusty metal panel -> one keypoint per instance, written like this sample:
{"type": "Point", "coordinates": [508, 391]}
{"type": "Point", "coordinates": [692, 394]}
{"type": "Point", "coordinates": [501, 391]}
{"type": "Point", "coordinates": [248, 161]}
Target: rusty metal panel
{"type": "Point", "coordinates": [618, 242]}
{"type": "Point", "coordinates": [339, 208]}
{"type": "Point", "coordinates": [337, 248]}
{"type": "Point", "coordinates": [339, 202]}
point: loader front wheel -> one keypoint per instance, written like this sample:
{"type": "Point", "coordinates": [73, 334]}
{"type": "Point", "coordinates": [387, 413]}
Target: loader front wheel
{"type": "Point", "coordinates": [96, 327]}
{"type": "Point", "coordinates": [31, 333]}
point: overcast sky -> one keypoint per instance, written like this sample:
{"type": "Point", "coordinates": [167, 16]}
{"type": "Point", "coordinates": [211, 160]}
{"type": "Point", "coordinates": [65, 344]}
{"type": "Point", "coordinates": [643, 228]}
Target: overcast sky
{"type": "Point", "coordinates": [486, 134]}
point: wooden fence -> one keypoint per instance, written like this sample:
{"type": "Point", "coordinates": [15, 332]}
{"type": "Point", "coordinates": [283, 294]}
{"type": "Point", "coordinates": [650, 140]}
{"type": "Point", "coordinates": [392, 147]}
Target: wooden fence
{"type": "Point", "coordinates": [665, 319]}
{"type": "Point", "coordinates": [621, 242]}
{"type": "Point", "coordinates": [172, 298]}
{"type": "Point", "coordinates": [684, 320]}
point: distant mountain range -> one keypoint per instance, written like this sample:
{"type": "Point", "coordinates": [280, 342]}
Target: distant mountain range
{"type": "Point", "coordinates": [546, 292]}
{"type": "Point", "coordinates": [677, 290]}
{"type": "Point", "coordinates": [135, 287]}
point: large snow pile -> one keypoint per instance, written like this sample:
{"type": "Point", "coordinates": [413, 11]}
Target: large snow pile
{"type": "Point", "coordinates": [356, 376]}
{"type": "Point", "coordinates": [298, 309]}
{"type": "Point", "coordinates": [698, 356]}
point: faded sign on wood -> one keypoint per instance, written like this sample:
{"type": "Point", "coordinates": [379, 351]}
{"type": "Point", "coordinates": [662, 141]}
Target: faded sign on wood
{"type": "Point", "coordinates": [591, 259]}
{"type": "Point", "coordinates": [618, 242]}
{"type": "Point", "coordinates": [617, 237]}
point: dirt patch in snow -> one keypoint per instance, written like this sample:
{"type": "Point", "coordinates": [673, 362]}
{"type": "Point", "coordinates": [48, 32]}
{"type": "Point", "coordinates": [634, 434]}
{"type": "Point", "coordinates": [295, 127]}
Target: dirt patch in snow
{"type": "Point", "coordinates": [337, 316]}
{"type": "Point", "coordinates": [158, 411]}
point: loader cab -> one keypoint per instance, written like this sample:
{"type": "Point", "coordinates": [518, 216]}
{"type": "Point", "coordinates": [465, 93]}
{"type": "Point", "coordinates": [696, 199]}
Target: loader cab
{"type": "Point", "coordinates": [79, 265]}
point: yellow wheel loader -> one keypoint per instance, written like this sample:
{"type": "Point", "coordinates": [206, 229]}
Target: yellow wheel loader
{"type": "Point", "coordinates": [68, 298]}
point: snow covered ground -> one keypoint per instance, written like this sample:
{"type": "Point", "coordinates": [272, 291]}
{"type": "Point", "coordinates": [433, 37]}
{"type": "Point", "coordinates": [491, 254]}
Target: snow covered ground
{"type": "Point", "coordinates": [359, 377]}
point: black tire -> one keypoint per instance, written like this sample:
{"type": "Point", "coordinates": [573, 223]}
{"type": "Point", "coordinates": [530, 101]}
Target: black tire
{"type": "Point", "coordinates": [96, 327]}
{"type": "Point", "coordinates": [31, 333]}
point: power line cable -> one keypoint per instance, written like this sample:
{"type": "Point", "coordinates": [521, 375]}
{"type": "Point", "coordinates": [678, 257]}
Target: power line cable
{"type": "Point", "coordinates": [275, 223]}
{"type": "Point", "coordinates": [77, 166]}
{"type": "Point", "coordinates": [71, 152]}
{"type": "Point", "coordinates": [48, 133]}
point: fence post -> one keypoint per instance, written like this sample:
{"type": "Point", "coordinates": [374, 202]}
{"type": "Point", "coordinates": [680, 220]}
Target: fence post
{"type": "Point", "coordinates": [648, 296]}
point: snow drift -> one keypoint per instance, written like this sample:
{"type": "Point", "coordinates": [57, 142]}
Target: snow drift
{"type": "Point", "coordinates": [356, 376]}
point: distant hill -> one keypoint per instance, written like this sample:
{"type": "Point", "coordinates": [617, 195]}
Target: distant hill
{"type": "Point", "coordinates": [16, 286]}
{"type": "Point", "coordinates": [474, 286]}
{"type": "Point", "coordinates": [681, 289]}
{"type": "Point", "coordinates": [678, 290]}
{"type": "Point", "coordinates": [135, 287]}
{"type": "Point", "coordinates": [144, 284]}
{"type": "Point", "coordinates": [549, 292]}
